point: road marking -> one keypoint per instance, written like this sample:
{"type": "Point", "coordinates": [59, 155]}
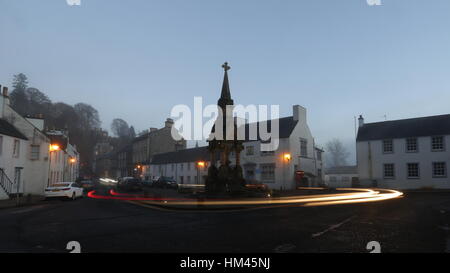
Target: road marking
{"type": "Point", "coordinates": [28, 209]}
{"type": "Point", "coordinates": [332, 227]}
{"type": "Point", "coordinates": [284, 248]}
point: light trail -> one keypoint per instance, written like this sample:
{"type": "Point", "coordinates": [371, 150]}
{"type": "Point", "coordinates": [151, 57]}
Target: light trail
{"type": "Point", "coordinates": [355, 196]}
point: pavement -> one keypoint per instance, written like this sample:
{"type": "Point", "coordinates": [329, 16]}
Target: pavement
{"type": "Point", "coordinates": [23, 201]}
{"type": "Point", "coordinates": [419, 222]}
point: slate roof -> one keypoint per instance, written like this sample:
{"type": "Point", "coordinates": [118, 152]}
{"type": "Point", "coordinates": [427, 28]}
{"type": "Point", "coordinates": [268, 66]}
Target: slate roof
{"type": "Point", "coordinates": [414, 127]}
{"type": "Point", "coordinates": [286, 126]}
{"type": "Point", "coordinates": [342, 170]}
{"type": "Point", "coordinates": [8, 129]}
{"type": "Point", "coordinates": [185, 155]}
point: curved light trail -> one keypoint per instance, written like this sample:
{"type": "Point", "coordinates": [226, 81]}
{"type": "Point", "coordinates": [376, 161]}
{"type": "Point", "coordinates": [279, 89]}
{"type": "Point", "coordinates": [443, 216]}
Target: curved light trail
{"type": "Point", "coordinates": [350, 197]}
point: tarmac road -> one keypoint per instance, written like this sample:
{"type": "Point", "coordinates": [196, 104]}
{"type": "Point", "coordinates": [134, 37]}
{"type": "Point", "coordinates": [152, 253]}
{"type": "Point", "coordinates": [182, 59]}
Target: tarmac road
{"type": "Point", "coordinates": [419, 222]}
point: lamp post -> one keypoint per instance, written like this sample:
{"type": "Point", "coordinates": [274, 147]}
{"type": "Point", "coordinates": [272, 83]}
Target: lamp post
{"type": "Point", "coordinates": [200, 165]}
{"type": "Point", "coordinates": [287, 159]}
{"type": "Point", "coordinates": [52, 148]}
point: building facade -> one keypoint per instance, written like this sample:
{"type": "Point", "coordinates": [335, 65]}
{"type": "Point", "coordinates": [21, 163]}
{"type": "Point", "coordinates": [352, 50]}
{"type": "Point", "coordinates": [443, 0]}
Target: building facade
{"type": "Point", "coordinates": [64, 158]}
{"type": "Point", "coordinates": [404, 154]}
{"type": "Point", "coordinates": [150, 143]}
{"type": "Point", "coordinates": [32, 175]}
{"type": "Point", "coordinates": [13, 157]}
{"type": "Point", "coordinates": [342, 177]}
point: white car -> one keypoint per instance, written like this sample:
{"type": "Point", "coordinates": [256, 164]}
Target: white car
{"type": "Point", "coordinates": [70, 190]}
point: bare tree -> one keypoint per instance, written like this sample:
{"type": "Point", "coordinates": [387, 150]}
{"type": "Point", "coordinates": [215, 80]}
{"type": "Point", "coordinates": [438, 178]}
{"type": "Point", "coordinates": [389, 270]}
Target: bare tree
{"type": "Point", "coordinates": [336, 153]}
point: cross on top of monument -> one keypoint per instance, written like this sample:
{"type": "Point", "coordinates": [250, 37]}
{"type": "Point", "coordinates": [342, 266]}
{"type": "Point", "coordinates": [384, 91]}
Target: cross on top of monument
{"type": "Point", "coordinates": [226, 67]}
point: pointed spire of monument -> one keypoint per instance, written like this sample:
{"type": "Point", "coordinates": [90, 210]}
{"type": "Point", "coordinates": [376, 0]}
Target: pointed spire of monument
{"type": "Point", "coordinates": [225, 95]}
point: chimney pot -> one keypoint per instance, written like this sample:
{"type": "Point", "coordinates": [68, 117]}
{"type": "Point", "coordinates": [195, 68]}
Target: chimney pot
{"type": "Point", "coordinates": [360, 121]}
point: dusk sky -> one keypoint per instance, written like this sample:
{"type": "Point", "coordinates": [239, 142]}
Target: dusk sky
{"type": "Point", "coordinates": [137, 59]}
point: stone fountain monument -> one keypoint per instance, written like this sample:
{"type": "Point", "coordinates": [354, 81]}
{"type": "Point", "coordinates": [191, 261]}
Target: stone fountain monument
{"type": "Point", "coordinates": [225, 178]}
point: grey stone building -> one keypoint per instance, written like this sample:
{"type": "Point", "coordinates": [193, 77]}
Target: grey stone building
{"type": "Point", "coordinates": [154, 141]}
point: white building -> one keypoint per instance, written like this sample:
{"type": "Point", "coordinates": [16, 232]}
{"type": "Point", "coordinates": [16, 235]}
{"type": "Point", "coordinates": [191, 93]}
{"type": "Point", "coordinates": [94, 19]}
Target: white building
{"type": "Point", "coordinates": [404, 154]}
{"type": "Point", "coordinates": [13, 158]}
{"type": "Point", "coordinates": [342, 177]}
{"type": "Point", "coordinates": [30, 173]}
{"type": "Point", "coordinates": [283, 168]}
{"type": "Point", "coordinates": [64, 158]}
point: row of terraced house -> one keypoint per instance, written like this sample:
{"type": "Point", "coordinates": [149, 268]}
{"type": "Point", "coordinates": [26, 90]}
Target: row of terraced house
{"type": "Point", "coordinates": [32, 158]}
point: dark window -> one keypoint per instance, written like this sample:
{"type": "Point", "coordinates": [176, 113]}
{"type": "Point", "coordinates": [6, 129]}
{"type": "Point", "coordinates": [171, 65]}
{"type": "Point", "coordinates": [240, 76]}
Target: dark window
{"type": "Point", "coordinates": [303, 147]}
{"type": "Point", "coordinates": [268, 172]}
{"type": "Point", "coordinates": [388, 146]}
{"type": "Point", "coordinates": [388, 170]}
{"type": "Point", "coordinates": [413, 170]}
{"type": "Point", "coordinates": [437, 143]}
{"type": "Point", "coordinates": [411, 145]}
{"type": "Point", "coordinates": [439, 169]}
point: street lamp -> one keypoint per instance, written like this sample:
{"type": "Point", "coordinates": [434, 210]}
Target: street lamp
{"type": "Point", "coordinates": [52, 148]}
{"type": "Point", "coordinates": [287, 159]}
{"type": "Point", "coordinates": [200, 165]}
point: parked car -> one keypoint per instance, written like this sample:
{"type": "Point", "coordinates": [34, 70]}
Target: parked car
{"type": "Point", "coordinates": [70, 190]}
{"type": "Point", "coordinates": [147, 183]}
{"type": "Point", "coordinates": [129, 184]}
{"type": "Point", "coordinates": [87, 185]}
{"type": "Point", "coordinates": [165, 182]}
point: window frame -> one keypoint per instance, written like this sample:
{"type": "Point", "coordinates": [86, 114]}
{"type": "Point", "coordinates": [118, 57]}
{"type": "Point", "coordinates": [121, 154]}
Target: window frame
{"type": "Point", "coordinates": [393, 171]}
{"type": "Point", "coordinates": [383, 146]}
{"type": "Point", "coordinates": [38, 152]}
{"type": "Point", "coordinates": [305, 142]}
{"type": "Point", "coordinates": [433, 169]}
{"type": "Point", "coordinates": [418, 170]}
{"type": "Point", "coordinates": [16, 148]}
{"type": "Point", "coordinates": [271, 179]}
{"type": "Point", "coordinates": [443, 144]}
{"type": "Point", "coordinates": [417, 145]}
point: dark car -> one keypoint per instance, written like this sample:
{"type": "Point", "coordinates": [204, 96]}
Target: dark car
{"type": "Point", "coordinates": [147, 183]}
{"type": "Point", "coordinates": [129, 184]}
{"type": "Point", "coordinates": [165, 182]}
{"type": "Point", "coordinates": [87, 185]}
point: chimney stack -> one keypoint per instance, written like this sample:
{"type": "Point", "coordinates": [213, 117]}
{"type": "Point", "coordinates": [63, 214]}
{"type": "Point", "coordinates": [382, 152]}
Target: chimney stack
{"type": "Point", "coordinates": [169, 122]}
{"type": "Point", "coordinates": [360, 121]}
{"type": "Point", "coordinates": [5, 91]}
{"type": "Point", "coordinates": [299, 114]}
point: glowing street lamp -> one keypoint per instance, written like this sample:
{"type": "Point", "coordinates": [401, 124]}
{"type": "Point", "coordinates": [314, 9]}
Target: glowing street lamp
{"type": "Point", "coordinates": [201, 164]}
{"type": "Point", "coordinates": [54, 147]}
{"type": "Point", "coordinates": [72, 160]}
{"type": "Point", "coordinates": [287, 157]}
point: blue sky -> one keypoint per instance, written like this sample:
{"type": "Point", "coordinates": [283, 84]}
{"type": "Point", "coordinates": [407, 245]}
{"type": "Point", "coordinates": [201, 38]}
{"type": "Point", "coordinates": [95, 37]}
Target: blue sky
{"type": "Point", "coordinates": [136, 59]}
